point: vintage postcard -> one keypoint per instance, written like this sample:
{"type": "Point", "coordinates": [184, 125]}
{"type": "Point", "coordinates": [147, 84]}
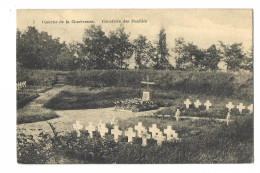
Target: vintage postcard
{"type": "Point", "coordinates": [135, 86]}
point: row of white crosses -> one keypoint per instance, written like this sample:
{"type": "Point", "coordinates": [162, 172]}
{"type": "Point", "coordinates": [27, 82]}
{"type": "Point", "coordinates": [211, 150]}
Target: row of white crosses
{"type": "Point", "coordinates": [197, 104]}
{"type": "Point", "coordinates": [240, 108]}
{"type": "Point", "coordinates": [140, 131]}
{"type": "Point", "coordinates": [20, 85]}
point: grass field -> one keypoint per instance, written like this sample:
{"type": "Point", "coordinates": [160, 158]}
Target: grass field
{"type": "Point", "coordinates": [202, 141]}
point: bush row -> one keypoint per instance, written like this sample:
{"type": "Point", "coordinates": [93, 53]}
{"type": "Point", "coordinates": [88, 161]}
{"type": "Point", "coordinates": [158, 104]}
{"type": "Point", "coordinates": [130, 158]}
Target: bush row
{"type": "Point", "coordinates": [209, 83]}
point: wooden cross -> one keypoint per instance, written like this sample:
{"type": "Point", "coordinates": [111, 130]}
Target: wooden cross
{"type": "Point", "coordinates": [228, 117]}
{"type": "Point", "coordinates": [177, 115]}
{"type": "Point", "coordinates": [90, 128]}
{"type": "Point", "coordinates": [240, 107]}
{"type": "Point", "coordinates": [77, 127]}
{"type": "Point", "coordinates": [187, 103]}
{"type": "Point", "coordinates": [147, 83]}
{"type": "Point", "coordinates": [130, 134]}
{"type": "Point", "coordinates": [207, 104]}
{"type": "Point", "coordinates": [197, 103]}
{"type": "Point", "coordinates": [116, 132]}
{"type": "Point", "coordinates": [229, 106]}
{"type": "Point", "coordinates": [171, 134]}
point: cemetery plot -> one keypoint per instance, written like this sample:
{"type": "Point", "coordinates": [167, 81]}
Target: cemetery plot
{"type": "Point", "coordinates": [157, 138]}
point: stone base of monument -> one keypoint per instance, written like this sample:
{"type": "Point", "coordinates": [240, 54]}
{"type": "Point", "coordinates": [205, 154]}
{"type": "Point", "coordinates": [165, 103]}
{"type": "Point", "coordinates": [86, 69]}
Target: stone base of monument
{"type": "Point", "coordinates": [146, 96]}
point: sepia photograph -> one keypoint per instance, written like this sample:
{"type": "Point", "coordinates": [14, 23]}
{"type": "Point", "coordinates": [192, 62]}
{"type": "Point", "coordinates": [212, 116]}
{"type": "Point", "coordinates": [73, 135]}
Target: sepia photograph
{"type": "Point", "coordinates": [134, 86]}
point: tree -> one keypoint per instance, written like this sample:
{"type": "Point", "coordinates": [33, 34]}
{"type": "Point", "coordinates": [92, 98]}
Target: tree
{"type": "Point", "coordinates": [212, 58]}
{"type": "Point", "coordinates": [119, 48]}
{"type": "Point", "coordinates": [183, 56]}
{"type": "Point", "coordinates": [161, 59]}
{"type": "Point", "coordinates": [232, 55]}
{"type": "Point", "coordinates": [37, 50]}
{"type": "Point", "coordinates": [247, 63]}
{"type": "Point", "coordinates": [95, 48]}
{"type": "Point", "coordinates": [144, 52]}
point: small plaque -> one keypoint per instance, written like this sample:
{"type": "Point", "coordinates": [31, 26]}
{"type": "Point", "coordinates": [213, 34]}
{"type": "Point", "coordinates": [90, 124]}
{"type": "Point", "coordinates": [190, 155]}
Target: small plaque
{"type": "Point", "coordinates": [146, 96]}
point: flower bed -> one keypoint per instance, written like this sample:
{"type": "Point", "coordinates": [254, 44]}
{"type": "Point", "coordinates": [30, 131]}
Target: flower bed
{"type": "Point", "coordinates": [136, 105]}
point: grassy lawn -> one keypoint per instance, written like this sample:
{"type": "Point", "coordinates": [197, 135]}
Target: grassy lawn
{"type": "Point", "coordinates": [34, 111]}
{"type": "Point", "coordinates": [85, 98]}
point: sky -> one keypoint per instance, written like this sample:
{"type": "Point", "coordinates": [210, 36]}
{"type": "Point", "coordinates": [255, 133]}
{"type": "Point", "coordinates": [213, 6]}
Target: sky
{"type": "Point", "coordinates": [203, 27]}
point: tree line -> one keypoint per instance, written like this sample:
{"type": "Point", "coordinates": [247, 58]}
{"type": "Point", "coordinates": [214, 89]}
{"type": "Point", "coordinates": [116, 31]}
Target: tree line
{"type": "Point", "coordinates": [38, 50]}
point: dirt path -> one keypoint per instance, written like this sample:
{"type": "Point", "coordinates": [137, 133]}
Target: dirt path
{"type": "Point", "coordinates": [67, 118]}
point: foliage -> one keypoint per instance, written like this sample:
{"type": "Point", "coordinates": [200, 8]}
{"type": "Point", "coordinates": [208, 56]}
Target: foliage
{"type": "Point", "coordinates": [67, 100]}
{"type": "Point", "coordinates": [209, 83]}
{"type": "Point", "coordinates": [144, 52]}
{"type": "Point", "coordinates": [38, 50]}
{"type": "Point", "coordinates": [233, 55]}
{"type": "Point", "coordinates": [136, 105]}
{"type": "Point", "coordinates": [189, 56]}
{"type": "Point", "coordinates": [25, 96]}
{"type": "Point", "coordinates": [161, 59]}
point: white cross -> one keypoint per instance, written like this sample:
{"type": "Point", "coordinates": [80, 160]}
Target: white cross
{"type": "Point", "coordinates": [171, 134]}
{"type": "Point", "coordinates": [228, 117]}
{"type": "Point", "coordinates": [116, 132]}
{"type": "Point", "coordinates": [130, 134]}
{"type": "Point", "coordinates": [140, 129]}
{"type": "Point", "coordinates": [197, 103]}
{"type": "Point", "coordinates": [250, 108]}
{"type": "Point", "coordinates": [145, 136]}
{"type": "Point", "coordinates": [187, 103]}
{"type": "Point", "coordinates": [159, 138]}
{"type": "Point", "coordinates": [77, 127]}
{"type": "Point", "coordinates": [154, 130]}
{"type": "Point", "coordinates": [177, 115]}
{"type": "Point", "coordinates": [240, 107]}
{"type": "Point", "coordinates": [142, 133]}
{"type": "Point", "coordinates": [102, 129]}
{"type": "Point", "coordinates": [229, 106]}
{"type": "Point", "coordinates": [207, 104]}
{"type": "Point", "coordinates": [90, 128]}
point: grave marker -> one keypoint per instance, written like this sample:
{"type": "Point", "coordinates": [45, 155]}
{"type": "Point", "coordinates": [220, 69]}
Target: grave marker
{"type": "Point", "coordinates": [130, 134]}
{"type": "Point", "coordinates": [142, 133]}
{"type": "Point", "coordinates": [90, 128]}
{"type": "Point", "coordinates": [177, 115]}
{"type": "Point", "coordinates": [250, 108]}
{"type": "Point", "coordinates": [159, 138]}
{"type": "Point", "coordinates": [207, 104]}
{"type": "Point", "coordinates": [240, 107]}
{"type": "Point", "coordinates": [144, 137]}
{"type": "Point", "coordinates": [140, 129]}
{"type": "Point", "coordinates": [157, 134]}
{"type": "Point", "coordinates": [102, 129]}
{"type": "Point", "coordinates": [197, 103]}
{"type": "Point", "coordinates": [187, 103]}
{"type": "Point", "coordinates": [116, 132]}
{"type": "Point", "coordinates": [229, 106]}
{"type": "Point", "coordinates": [228, 117]}
{"type": "Point", "coordinates": [171, 134]}
{"type": "Point", "coordinates": [77, 127]}
{"type": "Point", "coordinates": [146, 94]}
